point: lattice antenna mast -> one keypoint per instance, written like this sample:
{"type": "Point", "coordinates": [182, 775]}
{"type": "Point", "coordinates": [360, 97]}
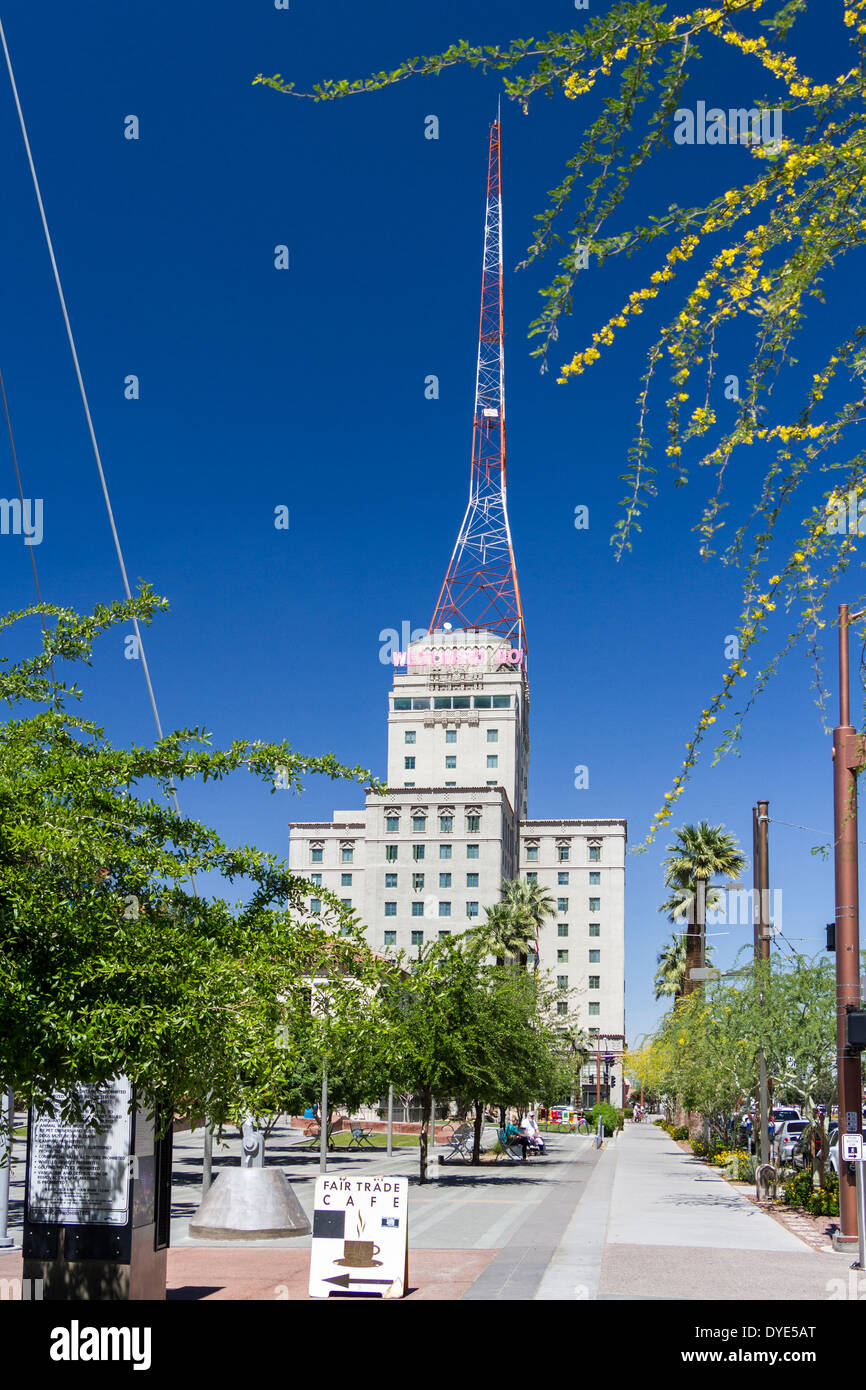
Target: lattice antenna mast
{"type": "Point", "coordinates": [480, 589]}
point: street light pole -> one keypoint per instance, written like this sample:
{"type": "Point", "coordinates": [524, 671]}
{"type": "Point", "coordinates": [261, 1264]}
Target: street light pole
{"type": "Point", "coordinates": [761, 918]}
{"type": "Point", "coordinates": [848, 759]}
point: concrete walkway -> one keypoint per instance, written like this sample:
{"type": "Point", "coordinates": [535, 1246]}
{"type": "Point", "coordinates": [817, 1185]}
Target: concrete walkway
{"type": "Point", "coordinates": [655, 1222]}
{"type": "Point", "coordinates": [641, 1219]}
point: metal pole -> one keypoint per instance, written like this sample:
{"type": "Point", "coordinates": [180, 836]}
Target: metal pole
{"type": "Point", "coordinates": [8, 1112]}
{"type": "Point", "coordinates": [598, 1068]}
{"type": "Point", "coordinates": [847, 760]}
{"type": "Point", "coordinates": [207, 1165]}
{"type": "Point", "coordinates": [860, 1172]}
{"type": "Point", "coordinates": [323, 1125]}
{"type": "Point", "coordinates": [761, 821]}
{"type": "Point", "coordinates": [389, 1148]}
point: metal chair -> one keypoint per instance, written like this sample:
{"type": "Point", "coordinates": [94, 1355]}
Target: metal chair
{"type": "Point", "coordinates": [461, 1142]}
{"type": "Point", "coordinates": [361, 1138]}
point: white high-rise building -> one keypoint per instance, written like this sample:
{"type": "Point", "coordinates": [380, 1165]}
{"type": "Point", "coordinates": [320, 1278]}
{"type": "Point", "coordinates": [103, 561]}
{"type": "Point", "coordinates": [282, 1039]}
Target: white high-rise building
{"type": "Point", "coordinates": [430, 855]}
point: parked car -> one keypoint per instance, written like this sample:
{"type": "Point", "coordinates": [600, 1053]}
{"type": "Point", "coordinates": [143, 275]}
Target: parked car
{"type": "Point", "coordinates": [785, 1112]}
{"type": "Point", "coordinates": [787, 1134]}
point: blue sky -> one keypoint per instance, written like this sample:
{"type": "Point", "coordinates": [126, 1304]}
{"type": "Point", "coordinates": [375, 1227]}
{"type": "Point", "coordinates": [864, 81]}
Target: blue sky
{"type": "Point", "coordinates": [306, 388]}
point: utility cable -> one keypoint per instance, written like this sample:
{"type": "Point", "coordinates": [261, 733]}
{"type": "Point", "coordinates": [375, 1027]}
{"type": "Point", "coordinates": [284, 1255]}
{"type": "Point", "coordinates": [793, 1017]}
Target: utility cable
{"type": "Point", "coordinates": [96, 454]}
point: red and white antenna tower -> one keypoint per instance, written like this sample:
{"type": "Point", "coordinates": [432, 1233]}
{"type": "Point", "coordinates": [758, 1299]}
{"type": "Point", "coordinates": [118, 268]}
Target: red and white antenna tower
{"type": "Point", "coordinates": [480, 589]}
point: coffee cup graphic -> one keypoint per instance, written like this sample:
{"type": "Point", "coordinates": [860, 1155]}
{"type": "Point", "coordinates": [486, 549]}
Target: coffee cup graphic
{"type": "Point", "coordinates": [360, 1253]}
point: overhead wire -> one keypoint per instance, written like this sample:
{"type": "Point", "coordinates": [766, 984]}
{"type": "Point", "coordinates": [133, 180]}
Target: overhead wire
{"type": "Point", "coordinates": [84, 399]}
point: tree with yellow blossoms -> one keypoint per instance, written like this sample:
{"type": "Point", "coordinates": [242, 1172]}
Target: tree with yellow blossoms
{"type": "Point", "coordinates": [760, 249]}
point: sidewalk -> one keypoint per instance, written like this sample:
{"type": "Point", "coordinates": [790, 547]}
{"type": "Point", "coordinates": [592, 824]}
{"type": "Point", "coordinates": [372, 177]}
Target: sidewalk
{"type": "Point", "coordinates": [656, 1222]}
{"type": "Point", "coordinates": [641, 1219]}
{"type": "Point", "coordinates": [482, 1233]}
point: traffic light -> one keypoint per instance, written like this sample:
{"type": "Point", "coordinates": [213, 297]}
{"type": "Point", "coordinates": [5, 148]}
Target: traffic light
{"type": "Point", "coordinates": [831, 936]}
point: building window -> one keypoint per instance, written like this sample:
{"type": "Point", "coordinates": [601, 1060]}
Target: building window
{"type": "Point", "coordinates": [594, 1009]}
{"type": "Point", "coordinates": [595, 879]}
{"type": "Point", "coordinates": [444, 909]}
{"type": "Point", "coordinates": [317, 856]}
{"type": "Point", "coordinates": [317, 879]}
{"type": "Point", "coordinates": [409, 736]}
{"type": "Point", "coordinates": [390, 938]}
{"type": "Point", "coordinates": [562, 877]}
{"type": "Point", "coordinates": [417, 882]}
{"type": "Point", "coordinates": [562, 1007]}
{"type": "Point", "coordinates": [408, 784]}
{"type": "Point", "coordinates": [532, 854]}
{"type": "Point", "coordinates": [562, 957]}
{"type": "Point", "coordinates": [473, 825]}
{"type": "Point", "coordinates": [472, 909]}
{"type": "Point", "coordinates": [390, 909]}
{"type": "Point", "coordinates": [531, 876]}
{"type": "Point", "coordinates": [315, 905]}
{"type": "Point", "coordinates": [417, 909]}
{"type": "Point", "coordinates": [492, 760]}
{"type": "Point", "coordinates": [444, 880]}
{"type": "Point", "coordinates": [492, 735]}
{"type": "Point", "coordinates": [471, 880]}
{"type": "Point", "coordinates": [450, 735]}
{"type": "Point", "coordinates": [501, 701]}
{"type": "Point", "coordinates": [450, 760]}
{"type": "Point", "coordinates": [392, 824]}
{"type": "Point", "coordinates": [563, 853]}
{"type": "Point", "coordinates": [562, 982]}
{"type": "Point", "coordinates": [390, 880]}
{"type": "Point", "coordinates": [417, 852]}
{"type": "Point", "coordinates": [595, 982]}
{"type": "Point", "coordinates": [345, 880]}
{"type": "Point", "coordinates": [444, 851]}
{"type": "Point", "coordinates": [471, 851]}
{"type": "Point", "coordinates": [562, 904]}
{"type": "Point", "coordinates": [595, 904]}
{"type": "Point", "coordinates": [419, 825]}
{"type": "Point", "coordinates": [595, 928]}
{"type": "Point", "coordinates": [418, 940]}
{"type": "Point", "coordinates": [446, 825]}
{"type": "Point", "coordinates": [409, 764]}
{"type": "Point", "coordinates": [390, 853]}
{"type": "Point", "coordinates": [346, 902]}
{"type": "Point", "coordinates": [595, 957]}
{"type": "Point", "coordinates": [595, 854]}
{"type": "Point", "coordinates": [562, 929]}
{"type": "Point", "coordinates": [347, 855]}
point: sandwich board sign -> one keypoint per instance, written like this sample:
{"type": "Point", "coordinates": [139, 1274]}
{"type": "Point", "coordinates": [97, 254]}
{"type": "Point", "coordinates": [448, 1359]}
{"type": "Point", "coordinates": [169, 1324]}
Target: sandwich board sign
{"type": "Point", "coordinates": [360, 1236]}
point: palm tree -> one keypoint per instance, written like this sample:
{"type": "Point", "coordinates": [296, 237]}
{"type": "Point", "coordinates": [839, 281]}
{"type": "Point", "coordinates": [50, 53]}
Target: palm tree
{"type": "Point", "coordinates": [513, 923]}
{"type": "Point", "coordinates": [699, 853]}
{"type": "Point", "coordinates": [671, 973]}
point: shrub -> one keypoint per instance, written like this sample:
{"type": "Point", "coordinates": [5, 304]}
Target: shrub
{"type": "Point", "coordinates": [679, 1132]}
{"type": "Point", "coordinates": [628, 1113]}
{"type": "Point", "coordinates": [611, 1119]}
{"type": "Point", "coordinates": [798, 1189]}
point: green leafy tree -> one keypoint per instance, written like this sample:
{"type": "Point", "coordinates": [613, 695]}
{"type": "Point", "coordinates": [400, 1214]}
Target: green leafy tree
{"type": "Point", "coordinates": [754, 257]}
{"type": "Point", "coordinates": [109, 962]}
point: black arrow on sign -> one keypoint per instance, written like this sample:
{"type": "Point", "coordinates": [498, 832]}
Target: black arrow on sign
{"type": "Point", "coordinates": [344, 1280]}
